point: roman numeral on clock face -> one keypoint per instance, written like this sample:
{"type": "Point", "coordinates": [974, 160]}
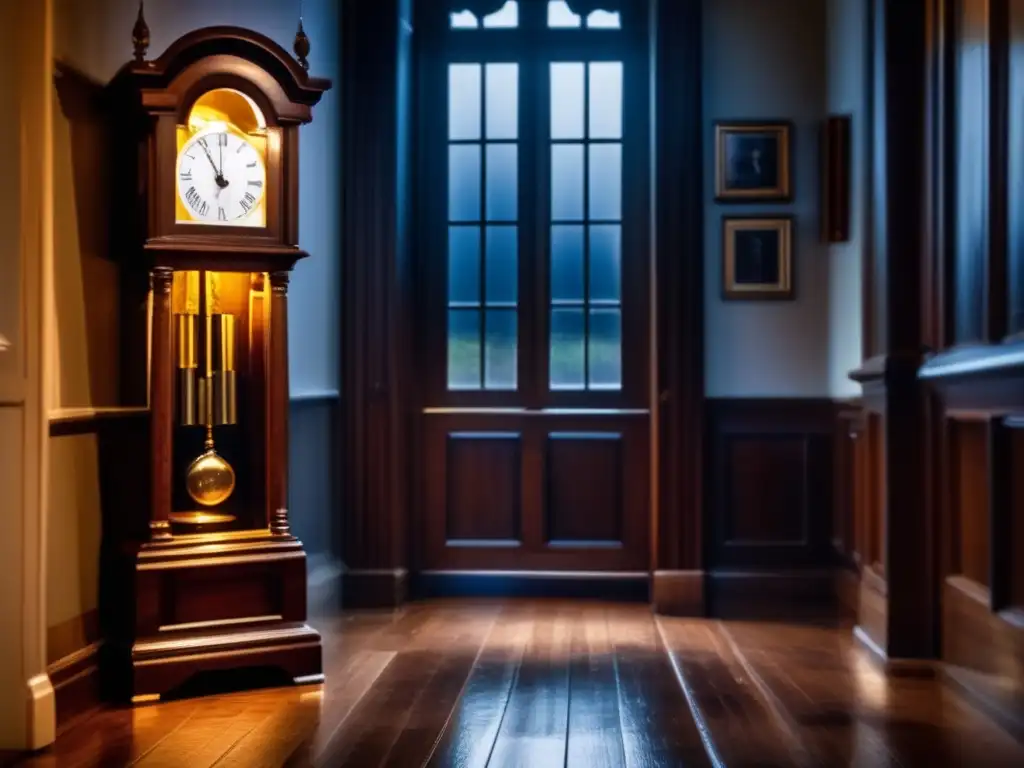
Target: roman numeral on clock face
{"type": "Point", "coordinates": [247, 202]}
{"type": "Point", "coordinates": [196, 202]}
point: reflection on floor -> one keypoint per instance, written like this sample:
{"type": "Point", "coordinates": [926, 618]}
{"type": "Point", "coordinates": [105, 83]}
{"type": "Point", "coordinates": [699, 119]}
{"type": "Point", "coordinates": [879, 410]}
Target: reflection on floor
{"type": "Point", "coordinates": [559, 684]}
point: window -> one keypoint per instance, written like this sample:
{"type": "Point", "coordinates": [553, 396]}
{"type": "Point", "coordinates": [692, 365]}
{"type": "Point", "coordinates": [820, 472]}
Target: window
{"type": "Point", "coordinates": [536, 238]}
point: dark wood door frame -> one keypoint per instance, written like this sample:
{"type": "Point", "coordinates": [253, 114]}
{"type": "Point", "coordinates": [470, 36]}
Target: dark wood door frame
{"type": "Point", "coordinates": [378, 399]}
{"type": "Point", "coordinates": [678, 247]}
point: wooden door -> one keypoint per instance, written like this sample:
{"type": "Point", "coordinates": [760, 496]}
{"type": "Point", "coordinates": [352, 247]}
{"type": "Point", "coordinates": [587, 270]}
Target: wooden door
{"type": "Point", "coordinates": [532, 318]}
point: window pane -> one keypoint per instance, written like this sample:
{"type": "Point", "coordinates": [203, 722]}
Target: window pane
{"type": "Point", "coordinates": [561, 16]}
{"type": "Point", "coordinates": [464, 20]}
{"type": "Point", "coordinates": [567, 100]}
{"type": "Point", "coordinates": [502, 264]}
{"type": "Point", "coordinates": [464, 265]}
{"type": "Point", "coordinates": [463, 183]}
{"type": "Point", "coordinates": [502, 182]}
{"type": "Point", "coordinates": [505, 17]}
{"type": "Point", "coordinates": [567, 352]}
{"type": "Point", "coordinates": [606, 100]}
{"type": "Point", "coordinates": [502, 101]}
{"type": "Point", "coordinates": [604, 20]}
{"type": "Point", "coordinates": [566, 262]}
{"type": "Point", "coordinates": [567, 182]}
{"type": "Point", "coordinates": [500, 361]}
{"type": "Point", "coordinates": [605, 349]}
{"type": "Point", "coordinates": [464, 101]}
{"type": "Point", "coordinates": [605, 262]}
{"type": "Point", "coordinates": [605, 181]}
{"type": "Point", "coordinates": [463, 349]}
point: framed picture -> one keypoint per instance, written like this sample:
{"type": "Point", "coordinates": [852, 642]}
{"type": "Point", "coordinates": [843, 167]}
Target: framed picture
{"type": "Point", "coordinates": [757, 258]}
{"type": "Point", "coordinates": [752, 161]}
{"type": "Point", "coordinates": [835, 179]}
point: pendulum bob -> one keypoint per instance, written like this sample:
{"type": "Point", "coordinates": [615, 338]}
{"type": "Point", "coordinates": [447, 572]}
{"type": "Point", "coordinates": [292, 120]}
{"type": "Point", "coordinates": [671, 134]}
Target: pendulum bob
{"type": "Point", "coordinates": [186, 393]}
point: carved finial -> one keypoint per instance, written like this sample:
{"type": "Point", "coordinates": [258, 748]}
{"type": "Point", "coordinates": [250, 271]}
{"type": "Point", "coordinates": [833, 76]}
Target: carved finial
{"type": "Point", "coordinates": [140, 35]}
{"type": "Point", "coordinates": [301, 46]}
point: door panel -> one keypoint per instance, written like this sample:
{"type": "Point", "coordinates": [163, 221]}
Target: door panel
{"type": "Point", "coordinates": [535, 491]}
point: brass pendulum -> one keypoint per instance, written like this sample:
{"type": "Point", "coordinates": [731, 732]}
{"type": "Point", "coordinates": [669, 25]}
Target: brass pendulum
{"type": "Point", "coordinates": [210, 479]}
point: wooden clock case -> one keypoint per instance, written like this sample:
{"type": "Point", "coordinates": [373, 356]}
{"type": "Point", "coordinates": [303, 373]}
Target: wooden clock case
{"type": "Point", "coordinates": [181, 603]}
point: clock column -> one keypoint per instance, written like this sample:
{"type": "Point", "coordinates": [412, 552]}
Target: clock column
{"type": "Point", "coordinates": [277, 432]}
{"type": "Point", "coordinates": [161, 404]}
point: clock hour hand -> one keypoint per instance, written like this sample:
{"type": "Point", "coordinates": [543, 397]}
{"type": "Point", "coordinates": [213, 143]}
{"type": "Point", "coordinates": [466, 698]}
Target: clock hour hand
{"type": "Point", "coordinates": [218, 177]}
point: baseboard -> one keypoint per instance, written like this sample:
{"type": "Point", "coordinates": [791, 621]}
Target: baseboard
{"type": "Point", "coordinates": [678, 593]}
{"type": "Point", "coordinates": [76, 684]}
{"type": "Point", "coordinates": [772, 594]}
{"type": "Point", "coordinates": [377, 588]}
{"type": "Point", "coordinates": [595, 585]}
{"type": "Point", "coordinates": [893, 666]}
{"type": "Point", "coordinates": [982, 693]}
{"type": "Point", "coordinates": [847, 592]}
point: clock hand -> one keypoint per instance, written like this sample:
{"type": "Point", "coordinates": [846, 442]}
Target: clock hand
{"type": "Point", "coordinates": [221, 182]}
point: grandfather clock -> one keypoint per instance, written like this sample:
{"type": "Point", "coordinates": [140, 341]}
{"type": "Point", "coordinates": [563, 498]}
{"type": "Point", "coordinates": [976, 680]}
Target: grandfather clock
{"type": "Point", "coordinates": [206, 183]}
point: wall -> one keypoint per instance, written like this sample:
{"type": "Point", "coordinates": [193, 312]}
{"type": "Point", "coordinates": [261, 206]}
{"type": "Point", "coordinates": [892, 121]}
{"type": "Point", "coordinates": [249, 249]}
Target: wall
{"type": "Point", "coordinates": [26, 697]}
{"type": "Point", "coordinates": [92, 41]}
{"type": "Point", "coordinates": [848, 95]}
{"type": "Point", "coordinates": [767, 60]}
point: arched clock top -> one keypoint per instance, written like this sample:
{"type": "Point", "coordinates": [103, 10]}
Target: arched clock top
{"type": "Point", "coordinates": [226, 57]}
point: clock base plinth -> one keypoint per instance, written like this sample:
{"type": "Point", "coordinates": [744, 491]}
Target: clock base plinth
{"type": "Point", "coordinates": [231, 603]}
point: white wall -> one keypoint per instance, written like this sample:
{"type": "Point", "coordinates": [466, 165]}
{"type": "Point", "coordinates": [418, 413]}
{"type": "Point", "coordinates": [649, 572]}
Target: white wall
{"type": "Point", "coordinates": [848, 94]}
{"type": "Point", "coordinates": [766, 60]}
{"type": "Point", "coordinates": [95, 38]}
{"type": "Point", "coordinates": [798, 60]}
{"type": "Point", "coordinates": [27, 714]}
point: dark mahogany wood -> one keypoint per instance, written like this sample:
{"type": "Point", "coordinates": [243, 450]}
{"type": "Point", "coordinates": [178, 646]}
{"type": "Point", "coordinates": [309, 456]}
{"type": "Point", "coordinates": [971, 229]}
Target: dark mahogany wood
{"type": "Point", "coordinates": [676, 546]}
{"type": "Point", "coordinates": [375, 294]}
{"type": "Point", "coordinates": [898, 593]}
{"type": "Point", "coordinates": [277, 408]}
{"type": "Point", "coordinates": [175, 606]}
{"type": "Point", "coordinates": [161, 404]}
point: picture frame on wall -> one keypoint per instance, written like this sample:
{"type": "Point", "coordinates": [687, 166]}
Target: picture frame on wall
{"type": "Point", "coordinates": [757, 258]}
{"type": "Point", "coordinates": [835, 179]}
{"type": "Point", "coordinates": [753, 161]}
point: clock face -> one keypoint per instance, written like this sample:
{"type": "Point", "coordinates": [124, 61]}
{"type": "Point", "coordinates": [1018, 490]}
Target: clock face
{"type": "Point", "coordinates": [221, 179]}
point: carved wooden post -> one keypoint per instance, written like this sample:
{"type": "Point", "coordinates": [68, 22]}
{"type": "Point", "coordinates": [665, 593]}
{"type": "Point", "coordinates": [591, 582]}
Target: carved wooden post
{"type": "Point", "coordinates": [277, 427]}
{"type": "Point", "coordinates": [161, 404]}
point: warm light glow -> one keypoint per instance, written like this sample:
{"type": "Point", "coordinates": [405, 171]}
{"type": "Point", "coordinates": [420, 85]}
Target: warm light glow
{"type": "Point", "coordinates": [216, 109]}
{"type": "Point", "coordinates": [185, 293]}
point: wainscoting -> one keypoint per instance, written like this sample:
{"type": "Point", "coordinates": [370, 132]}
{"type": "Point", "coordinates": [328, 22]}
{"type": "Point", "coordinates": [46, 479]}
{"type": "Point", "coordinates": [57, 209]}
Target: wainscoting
{"type": "Point", "coordinates": [769, 504]}
{"type": "Point", "coordinates": [983, 589]}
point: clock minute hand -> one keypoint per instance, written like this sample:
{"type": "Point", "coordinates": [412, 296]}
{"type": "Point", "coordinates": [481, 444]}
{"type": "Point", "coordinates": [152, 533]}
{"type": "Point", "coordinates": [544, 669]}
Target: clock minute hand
{"type": "Point", "coordinates": [217, 174]}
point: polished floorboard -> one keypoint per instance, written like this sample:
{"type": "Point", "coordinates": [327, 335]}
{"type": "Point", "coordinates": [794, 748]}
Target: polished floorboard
{"type": "Point", "coordinates": [537, 684]}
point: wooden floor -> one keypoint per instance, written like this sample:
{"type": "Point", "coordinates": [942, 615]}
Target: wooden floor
{"type": "Point", "coordinates": [559, 684]}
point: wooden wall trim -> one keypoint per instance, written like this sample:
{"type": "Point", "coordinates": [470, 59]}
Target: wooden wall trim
{"type": "Point", "coordinates": [85, 421]}
{"type": "Point", "coordinates": [72, 651]}
{"type": "Point", "coordinates": [769, 505]}
{"type": "Point", "coordinates": [677, 165]}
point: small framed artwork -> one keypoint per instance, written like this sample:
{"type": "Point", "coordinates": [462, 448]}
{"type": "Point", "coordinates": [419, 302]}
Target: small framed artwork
{"type": "Point", "coordinates": [835, 179]}
{"type": "Point", "coordinates": [757, 258]}
{"type": "Point", "coordinates": [752, 161]}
